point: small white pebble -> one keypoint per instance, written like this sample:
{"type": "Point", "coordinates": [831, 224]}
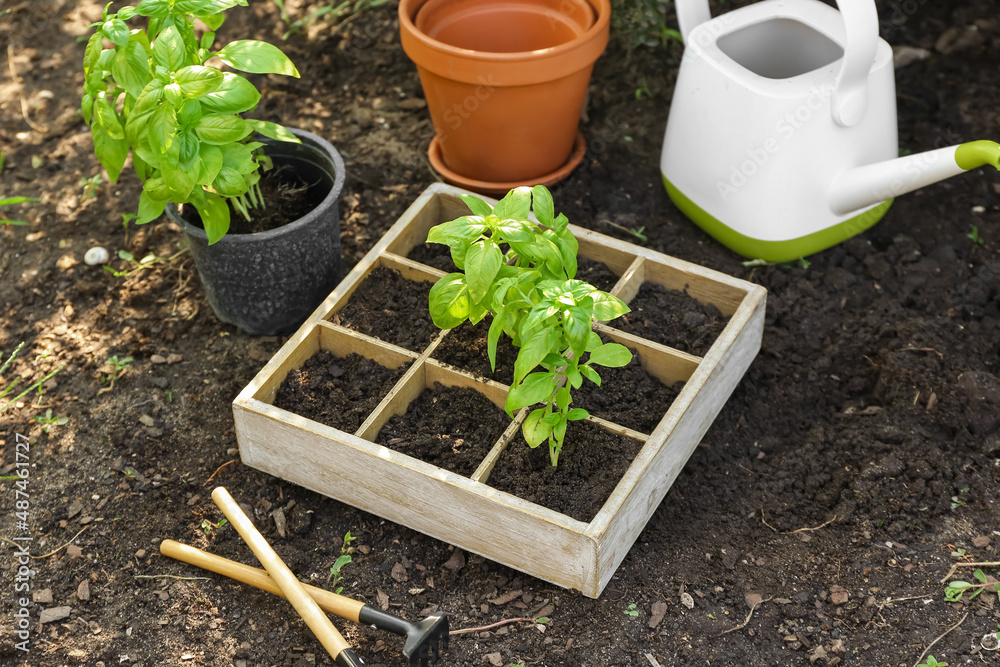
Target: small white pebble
{"type": "Point", "coordinates": [96, 255]}
{"type": "Point", "coordinates": [978, 209]}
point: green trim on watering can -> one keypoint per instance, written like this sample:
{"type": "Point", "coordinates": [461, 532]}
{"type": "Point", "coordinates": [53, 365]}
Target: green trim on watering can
{"type": "Point", "coordinates": [775, 251]}
{"type": "Point", "coordinates": [977, 153]}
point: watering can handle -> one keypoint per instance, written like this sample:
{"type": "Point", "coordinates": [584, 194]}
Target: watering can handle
{"type": "Point", "coordinates": [850, 93]}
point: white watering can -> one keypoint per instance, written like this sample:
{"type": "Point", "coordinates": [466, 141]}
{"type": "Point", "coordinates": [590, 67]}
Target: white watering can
{"type": "Point", "coordinates": [781, 140]}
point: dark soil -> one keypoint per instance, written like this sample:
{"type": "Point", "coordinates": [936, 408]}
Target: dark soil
{"type": "Point", "coordinates": [596, 273]}
{"type": "Point", "coordinates": [337, 391]}
{"type": "Point", "coordinates": [466, 348]}
{"type": "Point", "coordinates": [872, 404]}
{"type": "Point", "coordinates": [451, 427]}
{"type": "Point", "coordinates": [591, 463]}
{"type": "Point", "coordinates": [391, 308]}
{"type": "Point", "coordinates": [433, 254]}
{"type": "Point", "coordinates": [628, 396]}
{"type": "Point", "coordinates": [673, 318]}
{"type": "Point", "coordinates": [288, 197]}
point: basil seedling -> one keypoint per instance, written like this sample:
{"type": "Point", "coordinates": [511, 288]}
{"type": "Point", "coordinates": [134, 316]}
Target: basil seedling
{"type": "Point", "coordinates": [522, 273]}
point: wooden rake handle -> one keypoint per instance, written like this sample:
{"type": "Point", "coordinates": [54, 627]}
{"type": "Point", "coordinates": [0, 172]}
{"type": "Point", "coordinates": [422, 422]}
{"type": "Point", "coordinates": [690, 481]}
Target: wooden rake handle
{"type": "Point", "coordinates": [328, 601]}
{"type": "Point", "coordinates": [290, 586]}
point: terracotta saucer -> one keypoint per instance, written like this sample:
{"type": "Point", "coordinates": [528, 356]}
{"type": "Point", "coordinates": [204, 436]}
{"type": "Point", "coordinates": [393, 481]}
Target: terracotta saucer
{"type": "Point", "coordinates": [500, 189]}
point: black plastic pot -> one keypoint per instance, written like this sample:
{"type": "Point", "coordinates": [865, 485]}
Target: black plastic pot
{"type": "Point", "coordinates": [269, 282]}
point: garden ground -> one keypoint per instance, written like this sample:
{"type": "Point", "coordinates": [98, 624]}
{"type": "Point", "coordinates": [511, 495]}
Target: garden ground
{"type": "Point", "coordinates": [857, 462]}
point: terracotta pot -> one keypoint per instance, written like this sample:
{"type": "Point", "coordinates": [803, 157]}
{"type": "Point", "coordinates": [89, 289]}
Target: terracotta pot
{"type": "Point", "coordinates": [505, 82]}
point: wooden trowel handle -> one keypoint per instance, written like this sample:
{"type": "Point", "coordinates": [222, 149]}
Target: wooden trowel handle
{"type": "Point", "coordinates": [328, 601]}
{"type": "Point", "coordinates": [290, 586]}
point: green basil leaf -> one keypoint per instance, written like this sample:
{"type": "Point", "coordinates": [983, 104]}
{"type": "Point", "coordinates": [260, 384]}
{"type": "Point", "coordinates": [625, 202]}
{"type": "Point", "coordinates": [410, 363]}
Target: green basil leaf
{"type": "Point", "coordinates": [219, 129]}
{"type": "Point", "coordinates": [190, 6]}
{"type": "Point", "coordinates": [142, 111]}
{"type": "Point", "coordinates": [563, 399]}
{"type": "Point", "coordinates": [496, 328]}
{"type": "Point", "coordinates": [576, 325]}
{"type": "Point", "coordinates": [535, 430]}
{"type": "Point", "coordinates": [590, 374]}
{"type": "Point", "coordinates": [110, 145]}
{"type": "Point", "coordinates": [189, 114]}
{"type": "Point", "coordinates": [198, 80]}
{"type": "Point", "coordinates": [537, 316]}
{"type": "Point", "coordinates": [179, 182]}
{"type": "Point", "coordinates": [536, 388]}
{"type": "Point", "coordinates": [210, 163]}
{"type": "Point", "coordinates": [560, 223]}
{"type": "Point", "coordinates": [188, 153]}
{"type": "Point", "coordinates": [131, 68]}
{"type": "Point", "coordinates": [576, 414]}
{"type": "Point", "coordinates": [607, 307]}
{"type": "Point", "coordinates": [214, 214]}
{"type": "Point", "coordinates": [240, 157]}
{"type": "Point", "coordinates": [125, 13]}
{"type": "Point", "coordinates": [611, 355]}
{"type": "Point", "coordinates": [476, 205]}
{"type": "Point", "coordinates": [466, 228]}
{"type": "Point", "coordinates": [558, 434]}
{"type": "Point", "coordinates": [515, 205]}
{"type": "Point", "coordinates": [544, 208]}
{"type": "Point", "coordinates": [449, 301]}
{"type": "Point", "coordinates": [94, 47]}
{"type": "Point", "coordinates": [229, 183]}
{"type": "Point", "coordinates": [568, 249]}
{"type": "Point", "coordinates": [250, 55]}
{"type": "Point", "coordinates": [532, 351]}
{"type": "Point", "coordinates": [273, 130]}
{"type": "Point", "coordinates": [116, 30]}
{"type": "Point", "coordinates": [593, 342]}
{"type": "Point", "coordinates": [515, 230]}
{"type": "Point", "coordinates": [156, 189]}
{"type": "Point", "coordinates": [149, 209]}
{"type": "Point", "coordinates": [162, 131]}
{"type": "Point", "coordinates": [233, 94]}
{"type": "Point", "coordinates": [87, 107]}
{"type": "Point", "coordinates": [169, 50]}
{"type": "Point", "coordinates": [212, 22]}
{"type": "Point", "coordinates": [481, 266]}
{"type": "Point", "coordinates": [153, 8]}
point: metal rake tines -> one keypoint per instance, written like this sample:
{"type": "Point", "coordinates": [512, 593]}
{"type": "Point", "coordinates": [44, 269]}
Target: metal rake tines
{"type": "Point", "coordinates": [426, 639]}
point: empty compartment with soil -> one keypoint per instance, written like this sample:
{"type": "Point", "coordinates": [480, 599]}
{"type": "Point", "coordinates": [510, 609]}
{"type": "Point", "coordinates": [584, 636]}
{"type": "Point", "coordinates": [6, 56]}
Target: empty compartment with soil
{"type": "Point", "coordinates": [391, 306]}
{"type": "Point", "coordinates": [638, 395]}
{"type": "Point", "coordinates": [674, 310]}
{"type": "Point", "coordinates": [444, 418]}
{"type": "Point", "coordinates": [335, 377]}
{"type": "Point", "coordinates": [591, 464]}
{"type": "Point", "coordinates": [466, 348]}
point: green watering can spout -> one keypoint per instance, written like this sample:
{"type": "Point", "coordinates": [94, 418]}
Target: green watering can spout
{"type": "Point", "coordinates": [978, 153]}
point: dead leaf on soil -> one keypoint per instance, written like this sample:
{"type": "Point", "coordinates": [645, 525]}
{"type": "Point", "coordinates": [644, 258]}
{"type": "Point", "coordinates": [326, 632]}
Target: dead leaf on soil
{"type": "Point", "coordinates": [687, 600]}
{"type": "Point", "coordinates": [383, 600]}
{"type": "Point", "coordinates": [457, 561]}
{"type": "Point", "coordinates": [753, 599]}
{"type": "Point", "coordinates": [981, 541]}
{"type": "Point", "coordinates": [838, 595]}
{"type": "Point", "coordinates": [656, 613]}
{"type": "Point", "coordinates": [494, 659]}
{"type": "Point", "coordinates": [399, 572]}
{"type": "Point", "coordinates": [507, 597]}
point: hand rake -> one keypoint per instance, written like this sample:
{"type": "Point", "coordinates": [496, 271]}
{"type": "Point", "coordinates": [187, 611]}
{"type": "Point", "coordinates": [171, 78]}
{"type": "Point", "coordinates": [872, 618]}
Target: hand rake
{"type": "Point", "coordinates": [422, 638]}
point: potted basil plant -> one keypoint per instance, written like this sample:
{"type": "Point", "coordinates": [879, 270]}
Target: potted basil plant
{"type": "Point", "coordinates": [151, 93]}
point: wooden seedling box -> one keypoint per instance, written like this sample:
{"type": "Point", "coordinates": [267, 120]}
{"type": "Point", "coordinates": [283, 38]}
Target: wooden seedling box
{"type": "Point", "coordinates": [462, 510]}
